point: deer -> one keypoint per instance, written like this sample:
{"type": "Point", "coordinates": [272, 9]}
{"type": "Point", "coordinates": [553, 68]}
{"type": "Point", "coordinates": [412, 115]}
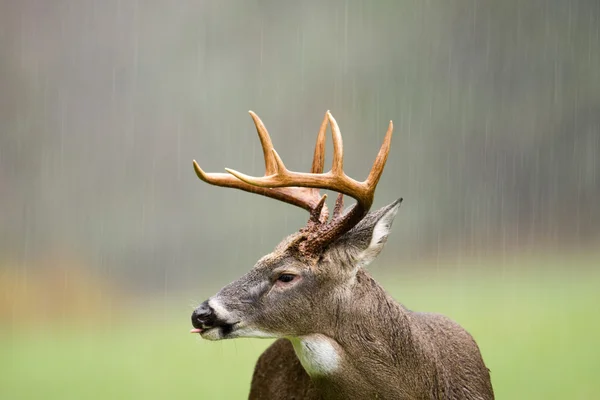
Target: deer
{"type": "Point", "coordinates": [339, 334]}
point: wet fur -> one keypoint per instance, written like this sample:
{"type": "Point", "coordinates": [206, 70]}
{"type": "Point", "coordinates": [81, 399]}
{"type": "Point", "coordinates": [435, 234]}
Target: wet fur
{"type": "Point", "coordinates": [402, 355]}
{"type": "Point", "coordinates": [381, 349]}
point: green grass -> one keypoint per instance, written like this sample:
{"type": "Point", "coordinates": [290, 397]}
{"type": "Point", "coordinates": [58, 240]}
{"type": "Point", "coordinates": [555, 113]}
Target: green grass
{"type": "Point", "coordinates": [536, 321]}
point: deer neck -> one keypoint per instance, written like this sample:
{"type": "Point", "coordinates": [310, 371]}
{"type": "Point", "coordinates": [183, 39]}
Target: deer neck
{"type": "Point", "coordinates": [366, 352]}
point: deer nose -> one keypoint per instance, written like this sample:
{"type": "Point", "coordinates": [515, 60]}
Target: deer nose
{"type": "Point", "coordinates": [203, 316]}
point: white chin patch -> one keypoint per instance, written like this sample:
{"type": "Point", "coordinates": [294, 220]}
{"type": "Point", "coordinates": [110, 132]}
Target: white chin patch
{"type": "Point", "coordinates": [242, 332]}
{"type": "Point", "coordinates": [317, 353]}
{"type": "Point", "coordinates": [212, 334]}
{"type": "Point", "coordinates": [249, 332]}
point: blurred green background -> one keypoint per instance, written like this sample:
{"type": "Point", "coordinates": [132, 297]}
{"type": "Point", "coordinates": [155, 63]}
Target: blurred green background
{"type": "Point", "coordinates": [108, 240]}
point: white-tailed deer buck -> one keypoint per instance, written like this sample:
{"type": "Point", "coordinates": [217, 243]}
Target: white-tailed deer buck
{"type": "Point", "coordinates": [340, 335]}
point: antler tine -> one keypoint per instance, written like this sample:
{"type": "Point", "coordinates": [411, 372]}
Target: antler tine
{"type": "Point", "coordinates": [338, 161]}
{"type": "Point", "coordinates": [319, 157]}
{"type": "Point", "coordinates": [339, 205]}
{"type": "Point", "coordinates": [382, 156]}
{"type": "Point", "coordinates": [338, 148]}
{"type": "Point", "coordinates": [267, 145]}
{"type": "Point", "coordinates": [320, 215]}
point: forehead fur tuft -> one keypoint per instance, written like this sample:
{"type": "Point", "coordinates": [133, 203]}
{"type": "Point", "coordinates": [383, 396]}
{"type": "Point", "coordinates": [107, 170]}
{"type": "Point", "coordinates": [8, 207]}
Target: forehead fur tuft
{"type": "Point", "coordinates": [290, 243]}
{"type": "Point", "coordinates": [290, 247]}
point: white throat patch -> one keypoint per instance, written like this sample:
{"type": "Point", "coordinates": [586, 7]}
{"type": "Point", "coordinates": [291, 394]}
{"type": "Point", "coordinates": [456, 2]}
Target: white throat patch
{"type": "Point", "coordinates": [317, 354]}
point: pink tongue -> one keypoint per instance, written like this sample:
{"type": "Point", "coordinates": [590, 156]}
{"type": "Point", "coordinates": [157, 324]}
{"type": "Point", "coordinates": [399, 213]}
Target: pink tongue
{"type": "Point", "coordinates": [196, 331]}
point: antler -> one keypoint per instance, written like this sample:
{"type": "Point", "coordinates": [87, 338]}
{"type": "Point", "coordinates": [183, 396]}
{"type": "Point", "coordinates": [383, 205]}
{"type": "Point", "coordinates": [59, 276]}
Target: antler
{"type": "Point", "coordinates": [306, 198]}
{"type": "Point", "coordinates": [302, 189]}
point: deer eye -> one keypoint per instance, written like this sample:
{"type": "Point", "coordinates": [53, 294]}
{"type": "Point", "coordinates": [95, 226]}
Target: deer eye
{"type": "Point", "coordinates": [285, 278]}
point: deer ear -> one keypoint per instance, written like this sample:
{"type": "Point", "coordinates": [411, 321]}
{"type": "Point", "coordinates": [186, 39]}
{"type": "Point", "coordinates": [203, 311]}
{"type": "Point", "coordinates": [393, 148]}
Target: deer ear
{"type": "Point", "coordinates": [363, 243]}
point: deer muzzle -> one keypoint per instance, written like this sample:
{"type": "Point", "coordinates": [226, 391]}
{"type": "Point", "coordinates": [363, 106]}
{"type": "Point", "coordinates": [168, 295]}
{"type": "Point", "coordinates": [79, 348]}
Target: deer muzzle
{"type": "Point", "coordinates": [205, 319]}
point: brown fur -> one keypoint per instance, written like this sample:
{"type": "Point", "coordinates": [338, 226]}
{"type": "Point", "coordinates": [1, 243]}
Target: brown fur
{"type": "Point", "coordinates": [354, 340]}
{"type": "Point", "coordinates": [419, 356]}
{"type": "Point", "coordinates": [341, 336]}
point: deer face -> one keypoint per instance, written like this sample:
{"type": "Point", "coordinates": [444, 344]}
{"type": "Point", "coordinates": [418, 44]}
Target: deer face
{"type": "Point", "coordinates": [295, 290]}
{"type": "Point", "coordinates": [287, 294]}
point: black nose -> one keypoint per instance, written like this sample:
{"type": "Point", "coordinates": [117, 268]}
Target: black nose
{"type": "Point", "coordinates": [203, 316]}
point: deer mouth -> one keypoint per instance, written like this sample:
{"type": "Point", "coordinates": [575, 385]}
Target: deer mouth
{"type": "Point", "coordinates": [220, 331]}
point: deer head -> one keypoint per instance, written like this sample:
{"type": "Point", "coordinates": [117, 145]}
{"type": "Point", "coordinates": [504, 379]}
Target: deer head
{"type": "Point", "coordinates": [298, 288]}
